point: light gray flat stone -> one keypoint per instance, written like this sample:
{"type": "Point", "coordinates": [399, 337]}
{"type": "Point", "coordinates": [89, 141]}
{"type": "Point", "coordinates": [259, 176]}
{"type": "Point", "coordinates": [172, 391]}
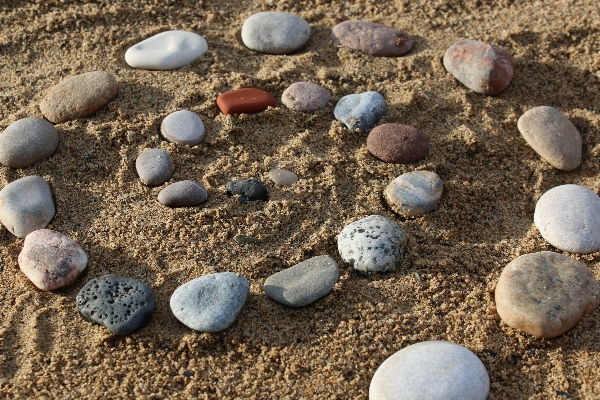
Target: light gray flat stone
{"type": "Point", "coordinates": [183, 127]}
{"type": "Point", "coordinates": [183, 194]}
{"type": "Point", "coordinates": [154, 167]}
{"type": "Point", "coordinates": [27, 141]}
{"type": "Point", "coordinates": [305, 97]}
{"type": "Point", "coordinates": [414, 193]}
{"type": "Point", "coordinates": [275, 32]}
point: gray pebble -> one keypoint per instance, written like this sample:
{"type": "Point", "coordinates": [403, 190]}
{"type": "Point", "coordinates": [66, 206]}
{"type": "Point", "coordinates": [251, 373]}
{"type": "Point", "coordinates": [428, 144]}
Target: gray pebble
{"type": "Point", "coordinates": [183, 194]}
{"type": "Point", "coordinates": [305, 97]}
{"type": "Point", "coordinates": [154, 167]}
{"type": "Point", "coordinates": [183, 127]}
{"type": "Point", "coordinates": [360, 111]}
{"type": "Point", "coordinates": [275, 32]}
{"type": "Point", "coordinates": [414, 193]}
{"type": "Point", "coordinates": [27, 141]}
{"type": "Point", "coordinates": [283, 177]}
{"type": "Point", "coordinates": [248, 189]}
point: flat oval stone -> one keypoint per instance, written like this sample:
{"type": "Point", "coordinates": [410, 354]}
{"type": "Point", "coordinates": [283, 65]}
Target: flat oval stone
{"type": "Point", "coordinates": [154, 167]}
{"type": "Point", "coordinates": [303, 283]}
{"type": "Point", "coordinates": [397, 143]}
{"type": "Point", "coordinates": [371, 38]}
{"type": "Point", "coordinates": [51, 260]}
{"type": "Point", "coordinates": [245, 101]}
{"type": "Point", "coordinates": [250, 189]}
{"type": "Point", "coordinates": [433, 370]}
{"type": "Point", "coordinates": [275, 32]}
{"type": "Point", "coordinates": [26, 205]}
{"type": "Point", "coordinates": [360, 111]}
{"type": "Point", "coordinates": [183, 194]}
{"type": "Point", "coordinates": [166, 50]}
{"type": "Point", "coordinates": [568, 217]}
{"type": "Point", "coordinates": [545, 294]}
{"type": "Point", "coordinates": [480, 66]}
{"type": "Point", "coordinates": [372, 244]}
{"type": "Point", "coordinates": [183, 127]}
{"type": "Point", "coordinates": [210, 303]}
{"type": "Point", "coordinates": [305, 97]}
{"type": "Point", "coordinates": [283, 177]}
{"type": "Point", "coordinates": [27, 141]}
{"type": "Point", "coordinates": [122, 305]}
{"type": "Point", "coordinates": [79, 96]}
{"type": "Point", "coordinates": [552, 136]}
{"type": "Point", "coordinates": [414, 193]}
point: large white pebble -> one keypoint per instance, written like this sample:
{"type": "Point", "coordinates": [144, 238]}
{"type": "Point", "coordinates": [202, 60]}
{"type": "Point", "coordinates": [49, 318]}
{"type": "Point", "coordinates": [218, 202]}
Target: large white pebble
{"type": "Point", "coordinates": [275, 32]}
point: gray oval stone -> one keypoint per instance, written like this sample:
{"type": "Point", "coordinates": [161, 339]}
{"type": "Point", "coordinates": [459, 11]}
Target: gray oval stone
{"type": "Point", "coordinates": [360, 111]}
{"type": "Point", "coordinates": [283, 177]}
{"type": "Point", "coordinates": [183, 127]}
{"type": "Point", "coordinates": [183, 194]}
{"type": "Point", "coordinates": [275, 32]}
{"type": "Point", "coordinates": [414, 193]}
{"type": "Point", "coordinates": [372, 38]}
{"type": "Point", "coordinates": [27, 141]}
{"type": "Point", "coordinates": [305, 97]}
{"type": "Point", "coordinates": [154, 167]}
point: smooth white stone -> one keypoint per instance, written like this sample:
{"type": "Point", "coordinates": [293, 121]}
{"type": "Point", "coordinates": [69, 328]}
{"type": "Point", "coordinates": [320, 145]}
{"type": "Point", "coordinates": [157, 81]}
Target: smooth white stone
{"type": "Point", "coordinates": [275, 32]}
{"type": "Point", "coordinates": [183, 127]}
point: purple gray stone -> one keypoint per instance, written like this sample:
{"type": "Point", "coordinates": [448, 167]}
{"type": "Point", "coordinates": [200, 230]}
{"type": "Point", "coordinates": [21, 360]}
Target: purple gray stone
{"type": "Point", "coordinates": [372, 38]}
{"type": "Point", "coordinates": [27, 141]}
{"type": "Point", "coordinates": [305, 97]}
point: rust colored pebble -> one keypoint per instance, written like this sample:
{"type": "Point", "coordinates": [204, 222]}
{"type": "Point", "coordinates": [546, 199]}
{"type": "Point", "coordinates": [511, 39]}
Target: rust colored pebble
{"type": "Point", "coordinates": [397, 143]}
{"type": "Point", "coordinates": [245, 101]}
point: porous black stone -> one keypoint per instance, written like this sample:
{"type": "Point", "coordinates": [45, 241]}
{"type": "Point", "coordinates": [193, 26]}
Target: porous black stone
{"type": "Point", "coordinates": [251, 189]}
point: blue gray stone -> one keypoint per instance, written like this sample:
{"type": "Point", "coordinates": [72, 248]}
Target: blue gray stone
{"type": "Point", "coordinates": [414, 193]}
{"type": "Point", "coordinates": [275, 32]}
{"type": "Point", "coordinates": [360, 111]}
{"type": "Point", "coordinates": [247, 189]}
{"type": "Point", "coordinates": [27, 141]}
{"type": "Point", "coordinates": [154, 167]}
{"type": "Point", "coordinates": [183, 194]}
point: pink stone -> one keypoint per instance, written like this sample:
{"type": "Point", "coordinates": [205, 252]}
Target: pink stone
{"type": "Point", "coordinates": [371, 38]}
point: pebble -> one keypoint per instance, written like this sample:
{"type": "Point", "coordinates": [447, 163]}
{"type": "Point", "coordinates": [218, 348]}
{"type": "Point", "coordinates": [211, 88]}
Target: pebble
{"type": "Point", "coordinates": [372, 38]}
{"type": "Point", "coordinates": [166, 50]}
{"type": "Point", "coordinates": [373, 244]}
{"type": "Point", "coordinates": [79, 96]}
{"type": "Point", "coordinates": [245, 101]}
{"type": "Point", "coordinates": [552, 136]}
{"type": "Point", "coordinates": [568, 217]}
{"type": "Point", "coordinates": [243, 239]}
{"type": "Point", "coordinates": [360, 111]}
{"type": "Point", "coordinates": [303, 283]}
{"type": "Point", "coordinates": [210, 303]}
{"type": "Point", "coordinates": [283, 177]}
{"type": "Point", "coordinates": [27, 141]}
{"type": "Point", "coordinates": [26, 205]}
{"type": "Point", "coordinates": [432, 370]}
{"type": "Point", "coordinates": [480, 66]}
{"type": "Point", "coordinates": [274, 32]}
{"type": "Point", "coordinates": [121, 304]}
{"type": "Point", "coordinates": [154, 167]}
{"type": "Point", "coordinates": [414, 193]}
{"type": "Point", "coordinates": [249, 189]}
{"type": "Point", "coordinates": [183, 194]}
{"type": "Point", "coordinates": [397, 143]}
{"type": "Point", "coordinates": [183, 127]}
{"type": "Point", "coordinates": [51, 260]}
{"type": "Point", "coordinates": [305, 97]}
{"type": "Point", "coordinates": [545, 294]}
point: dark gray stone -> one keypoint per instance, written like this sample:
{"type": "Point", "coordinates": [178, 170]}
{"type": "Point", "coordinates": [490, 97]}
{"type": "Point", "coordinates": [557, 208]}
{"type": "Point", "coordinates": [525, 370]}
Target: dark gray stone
{"type": "Point", "coordinates": [27, 141]}
{"type": "Point", "coordinates": [249, 189]}
{"type": "Point", "coordinates": [183, 194]}
{"type": "Point", "coordinates": [360, 111]}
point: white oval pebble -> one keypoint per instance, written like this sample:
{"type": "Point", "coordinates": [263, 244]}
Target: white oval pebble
{"type": "Point", "coordinates": [275, 32]}
{"type": "Point", "coordinates": [183, 127]}
{"type": "Point", "coordinates": [27, 141]}
{"type": "Point", "coordinates": [414, 193]}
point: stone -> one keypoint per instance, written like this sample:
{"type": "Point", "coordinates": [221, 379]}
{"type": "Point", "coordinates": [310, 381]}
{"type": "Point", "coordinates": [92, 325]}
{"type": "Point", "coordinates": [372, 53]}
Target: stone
{"type": "Point", "coordinates": [275, 32]}
{"type": "Point", "coordinates": [360, 111]}
{"type": "Point", "coordinates": [303, 283]}
{"type": "Point", "coordinates": [480, 66]}
{"type": "Point", "coordinates": [26, 205]}
{"type": "Point", "coordinates": [432, 370]}
{"type": "Point", "coordinates": [552, 136]}
{"type": "Point", "coordinates": [305, 97]}
{"type": "Point", "coordinates": [27, 141]}
{"type": "Point", "coordinates": [245, 101]}
{"type": "Point", "coordinates": [154, 167]}
{"type": "Point", "coordinates": [243, 239]}
{"type": "Point", "coordinates": [183, 194]}
{"type": "Point", "coordinates": [79, 96]}
{"type": "Point", "coordinates": [283, 177]}
{"type": "Point", "coordinates": [545, 294]}
{"type": "Point", "coordinates": [210, 303]}
{"type": "Point", "coordinates": [568, 217]}
{"type": "Point", "coordinates": [249, 189]}
{"type": "Point", "coordinates": [371, 38]}
{"type": "Point", "coordinates": [51, 260]}
{"type": "Point", "coordinates": [167, 50]}
{"type": "Point", "coordinates": [397, 143]}
{"type": "Point", "coordinates": [373, 244]}
{"type": "Point", "coordinates": [183, 127]}
{"type": "Point", "coordinates": [414, 193]}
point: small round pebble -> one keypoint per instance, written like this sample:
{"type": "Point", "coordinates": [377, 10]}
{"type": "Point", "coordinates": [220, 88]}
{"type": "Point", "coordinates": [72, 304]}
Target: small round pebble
{"type": "Point", "coordinates": [360, 111]}
{"type": "Point", "coordinates": [245, 101]}
{"type": "Point", "coordinates": [183, 127]}
{"type": "Point", "coordinates": [183, 194]}
{"type": "Point", "coordinates": [283, 177]}
{"type": "Point", "coordinates": [249, 189]}
{"type": "Point", "coordinates": [275, 32]}
{"type": "Point", "coordinates": [414, 193]}
{"type": "Point", "coordinates": [154, 167]}
{"type": "Point", "coordinates": [305, 97]}
{"type": "Point", "coordinates": [372, 38]}
{"type": "Point", "coordinates": [397, 143]}
{"type": "Point", "coordinates": [27, 141]}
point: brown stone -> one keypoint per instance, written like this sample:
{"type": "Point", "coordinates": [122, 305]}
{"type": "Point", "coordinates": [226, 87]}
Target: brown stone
{"type": "Point", "coordinates": [245, 101]}
{"type": "Point", "coordinates": [397, 143]}
{"type": "Point", "coordinates": [372, 38]}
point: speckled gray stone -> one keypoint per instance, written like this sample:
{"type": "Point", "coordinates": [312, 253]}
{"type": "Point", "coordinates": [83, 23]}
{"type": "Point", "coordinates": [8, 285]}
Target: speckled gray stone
{"type": "Point", "coordinates": [360, 111]}
{"type": "Point", "coordinates": [27, 141]}
{"type": "Point", "coordinates": [154, 167]}
{"type": "Point", "coordinates": [414, 193]}
{"type": "Point", "coordinates": [183, 194]}
{"type": "Point", "coordinates": [283, 177]}
{"type": "Point", "coordinates": [275, 32]}
{"type": "Point", "coordinates": [183, 127]}
{"type": "Point", "coordinates": [248, 189]}
{"type": "Point", "coordinates": [305, 97]}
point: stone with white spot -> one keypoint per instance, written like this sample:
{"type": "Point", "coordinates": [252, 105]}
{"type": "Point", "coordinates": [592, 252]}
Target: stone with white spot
{"type": "Point", "coordinates": [360, 111]}
{"type": "Point", "coordinates": [414, 193]}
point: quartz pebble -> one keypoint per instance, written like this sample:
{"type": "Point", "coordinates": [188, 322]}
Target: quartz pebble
{"type": "Point", "coordinates": [27, 141]}
{"type": "Point", "coordinates": [283, 177]}
{"type": "Point", "coordinates": [414, 193]}
{"type": "Point", "coordinates": [360, 111]}
{"type": "Point", "coordinates": [431, 370]}
{"type": "Point", "coordinates": [274, 32]}
{"type": "Point", "coordinates": [249, 189]}
{"type": "Point", "coordinates": [552, 136]}
{"type": "Point", "coordinates": [372, 38]}
{"type": "Point", "coordinates": [51, 260]}
{"type": "Point", "coordinates": [166, 50]}
{"type": "Point", "coordinates": [121, 304]}
{"type": "Point", "coordinates": [480, 66]}
{"type": "Point", "coordinates": [183, 127]}
{"type": "Point", "coordinates": [210, 303]}
{"type": "Point", "coordinates": [154, 167]}
{"type": "Point", "coordinates": [79, 96]}
{"type": "Point", "coordinates": [568, 217]}
{"type": "Point", "coordinates": [305, 97]}
{"type": "Point", "coordinates": [245, 101]}
{"type": "Point", "coordinates": [183, 194]}
{"type": "Point", "coordinates": [372, 244]}
{"type": "Point", "coordinates": [397, 143]}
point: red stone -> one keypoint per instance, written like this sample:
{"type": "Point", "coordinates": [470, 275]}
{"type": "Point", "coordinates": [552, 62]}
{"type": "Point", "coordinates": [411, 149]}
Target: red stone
{"type": "Point", "coordinates": [397, 143]}
{"type": "Point", "coordinates": [245, 101]}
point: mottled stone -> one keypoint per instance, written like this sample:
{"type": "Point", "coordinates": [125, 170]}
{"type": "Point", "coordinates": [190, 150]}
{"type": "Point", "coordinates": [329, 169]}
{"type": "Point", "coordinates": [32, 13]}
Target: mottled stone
{"type": "Point", "coordinates": [283, 177]}
{"type": "Point", "coordinates": [372, 38]}
{"type": "Point", "coordinates": [397, 143]}
{"type": "Point", "coordinates": [305, 97]}
{"type": "Point", "coordinates": [249, 189]}
{"type": "Point", "coordinates": [183, 127]}
{"type": "Point", "coordinates": [414, 193]}
{"type": "Point", "coordinates": [275, 32]}
{"type": "Point", "coordinates": [245, 101]}
{"type": "Point", "coordinates": [183, 194]}
{"type": "Point", "coordinates": [154, 167]}
{"type": "Point", "coordinates": [27, 141]}
{"type": "Point", "coordinates": [360, 111]}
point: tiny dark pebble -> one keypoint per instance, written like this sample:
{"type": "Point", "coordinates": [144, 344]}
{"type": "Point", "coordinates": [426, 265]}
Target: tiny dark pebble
{"type": "Point", "coordinates": [245, 239]}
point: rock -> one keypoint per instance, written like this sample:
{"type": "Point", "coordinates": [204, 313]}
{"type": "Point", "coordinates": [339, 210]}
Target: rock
{"type": "Point", "coordinates": [154, 167]}
{"type": "Point", "coordinates": [360, 111]}
{"type": "Point", "coordinates": [51, 260]}
{"type": "Point", "coordinates": [26, 205]}
{"type": "Point", "coordinates": [568, 217]}
{"type": "Point", "coordinates": [79, 96]}
{"type": "Point", "coordinates": [210, 303]}
{"type": "Point", "coordinates": [431, 370]}
{"type": "Point", "coordinates": [249, 189]}
{"type": "Point", "coordinates": [373, 244]}
{"type": "Point", "coordinates": [183, 127]}
{"type": "Point", "coordinates": [245, 101]}
{"type": "Point", "coordinates": [303, 283]}
{"type": "Point", "coordinates": [166, 50]}
{"type": "Point", "coordinates": [243, 239]}
{"type": "Point", "coordinates": [283, 177]}
{"type": "Point", "coordinates": [552, 136]}
{"type": "Point", "coordinates": [27, 141]}
{"type": "Point", "coordinates": [305, 97]}
{"type": "Point", "coordinates": [545, 294]}
{"type": "Point", "coordinates": [397, 143]}
{"type": "Point", "coordinates": [275, 32]}
{"type": "Point", "coordinates": [414, 193]}
{"type": "Point", "coordinates": [371, 38]}
{"type": "Point", "coordinates": [480, 66]}
{"type": "Point", "coordinates": [183, 194]}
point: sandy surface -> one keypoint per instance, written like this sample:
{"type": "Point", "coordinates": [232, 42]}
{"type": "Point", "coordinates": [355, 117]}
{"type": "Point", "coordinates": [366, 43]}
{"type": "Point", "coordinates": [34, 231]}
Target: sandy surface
{"type": "Point", "coordinates": [331, 349]}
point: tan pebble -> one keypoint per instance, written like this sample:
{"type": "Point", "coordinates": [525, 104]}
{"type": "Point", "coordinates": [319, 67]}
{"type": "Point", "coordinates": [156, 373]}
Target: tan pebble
{"type": "Point", "coordinates": [283, 177]}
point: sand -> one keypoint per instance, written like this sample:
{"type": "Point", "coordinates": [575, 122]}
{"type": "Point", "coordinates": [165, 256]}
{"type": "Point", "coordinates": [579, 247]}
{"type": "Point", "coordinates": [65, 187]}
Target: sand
{"type": "Point", "coordinates": [331, 349]}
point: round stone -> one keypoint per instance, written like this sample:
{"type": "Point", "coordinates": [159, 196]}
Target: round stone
{"type": "Point", "coordinates": [183, 127]}
{"type": "Point", "coordinates": [397, 143]}
{"type": "Point", "coordinates": [154, 167]}
{"type": "Point", "coordinates": [360, 111]}
{"type": "Point", "coordinates": [245, 101]}
{"type": "Point", "coordinates": [283, 177]}
{"type": "Point", "coordinates": [249, 189]}
{"type": "Point", "coordinates": [568, 217]}
{"type": "Point", "coordinates": [371, 38]}
{"type": "Point", "coordinates": [183, 194]}
{"type": "Point", "coordinates": [275, 32]}
{"type": "Point", "coordinates": [305, 97]}
{"type": "Point", "coordinates": [414, 193]}
{"type": "Point", "coordinates": [27, 141]}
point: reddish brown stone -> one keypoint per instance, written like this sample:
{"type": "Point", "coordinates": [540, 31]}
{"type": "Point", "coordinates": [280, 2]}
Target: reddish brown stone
{"type": "Point", "coordinates": [397, 144]}
{"type": "Point", "coordinates": [372, 38]}
{"type": "Point", "coordinates": [245, 101]}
